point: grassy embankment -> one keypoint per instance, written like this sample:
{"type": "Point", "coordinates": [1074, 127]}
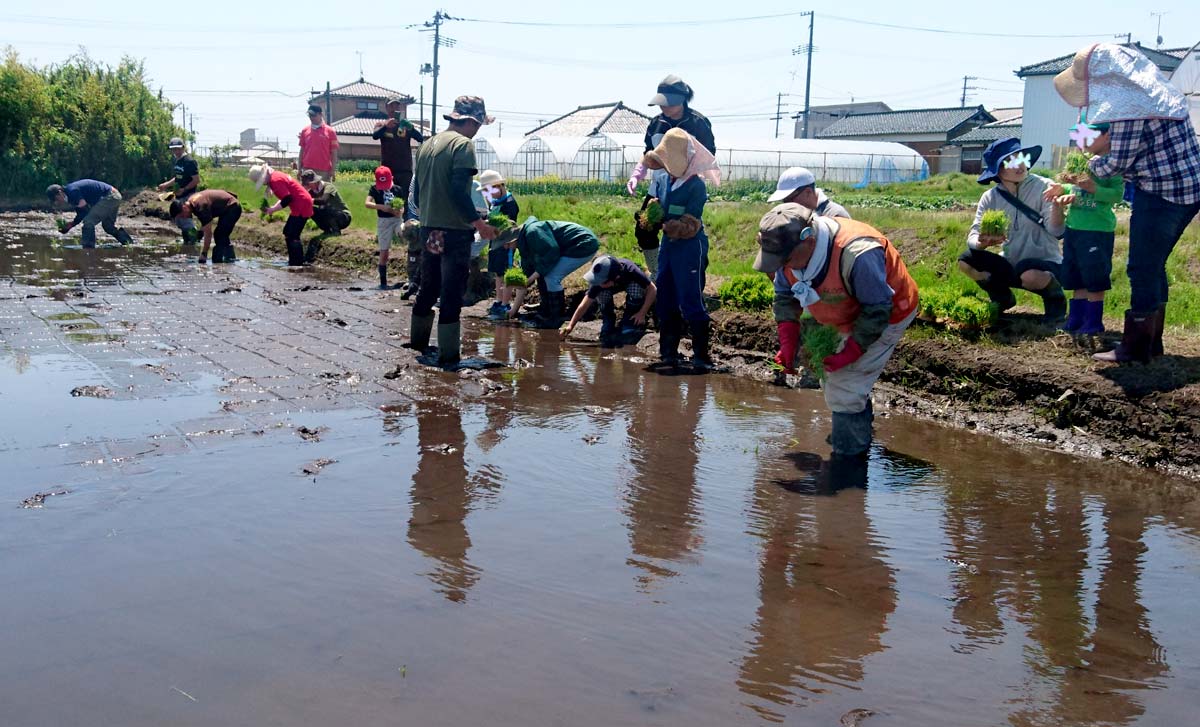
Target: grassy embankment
{"type": "Point", "coordinates": [928, 221]}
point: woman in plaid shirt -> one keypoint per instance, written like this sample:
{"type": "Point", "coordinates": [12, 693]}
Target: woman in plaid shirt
{"type": "Point", "coordinates": [1152, 143]}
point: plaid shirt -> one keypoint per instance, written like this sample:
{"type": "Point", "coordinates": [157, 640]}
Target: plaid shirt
{"type": "Point", "coordinates": [1161, 156]}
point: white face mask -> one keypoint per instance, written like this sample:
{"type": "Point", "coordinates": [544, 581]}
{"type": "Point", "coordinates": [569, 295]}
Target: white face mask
{"type": "Point", "coordinates": [316, 124]}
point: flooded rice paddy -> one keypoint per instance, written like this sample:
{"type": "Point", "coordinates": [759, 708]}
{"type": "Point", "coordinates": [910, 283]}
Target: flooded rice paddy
{"type": "Point", "coordinates": [275, 516]}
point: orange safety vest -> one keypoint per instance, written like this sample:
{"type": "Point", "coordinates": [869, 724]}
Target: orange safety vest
{"type": "Point", "coordinates": [837, 307]}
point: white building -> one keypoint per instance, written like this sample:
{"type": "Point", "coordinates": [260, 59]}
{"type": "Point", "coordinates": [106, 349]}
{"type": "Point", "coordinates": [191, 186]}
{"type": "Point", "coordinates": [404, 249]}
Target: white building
{"type": "Point", "coordinates": [1047, 119]}
{"type": "Point", "coordinates": [1187, 79]}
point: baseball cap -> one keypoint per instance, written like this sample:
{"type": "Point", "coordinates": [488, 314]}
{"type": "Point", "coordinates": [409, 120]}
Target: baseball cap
{"type": "Point", "coordinates": [315, 109]}
{"type": "Point", "coordinates": [394, 100]}
{"type": "Point", "coordinates": [383, 177]}
{"type": "Point", "coordinates": [601, 271]}
{"type": "Point", "coordinates": [779, 232]}
{"type": "Point", "coordinates": [793, 178]}
{"type": "Point", "coordinates": [175, 143]}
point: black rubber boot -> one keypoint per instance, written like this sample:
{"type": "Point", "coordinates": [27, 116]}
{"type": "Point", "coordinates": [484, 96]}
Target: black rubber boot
{"type": "Point", "coordinates": [87, 237]}
{"type": "Point", "coordinates": [382, 277]}
{"type": "Point", "coordinates": [223, 253]}
{"type": "Point", "coordinates": [123, 236]}
{"type": "Point", "coordinates": [1001, 295]}
{"type": "Point", "coordinates": [669, 332]}
{"type": "Point", "coordinates": [314, 247]}
{"type": "Point", "coordinates": [295, 253]}
{"type": "Point", "coordinates": [549, 312]}
{"type": "Point", "coordinates": [851, 433]}
{"type": "Point", "coordinates": [419, 332]}
{"type": "Point", "coordinates": [1137, 340]}
{"type": "Point", "coordinates": [1055, 301]}
{"type": "Point", "coordinates": [701, 335]}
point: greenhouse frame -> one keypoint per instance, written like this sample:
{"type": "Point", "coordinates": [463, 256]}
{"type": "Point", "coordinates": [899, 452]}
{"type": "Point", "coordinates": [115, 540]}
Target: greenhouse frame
{"type": "Point", "coordinates": [612, 157]}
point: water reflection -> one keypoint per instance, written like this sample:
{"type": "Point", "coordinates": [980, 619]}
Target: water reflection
{"type": "Point", "coordinates": [661, 499]}
{"type": "Point", "coordinates": [442, 497]}
{"type": "Point", "coordinates": [825, 590]}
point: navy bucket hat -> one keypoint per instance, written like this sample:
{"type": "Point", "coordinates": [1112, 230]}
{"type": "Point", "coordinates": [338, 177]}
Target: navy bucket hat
{"type": "Point", "coordinates": [1001, 149]}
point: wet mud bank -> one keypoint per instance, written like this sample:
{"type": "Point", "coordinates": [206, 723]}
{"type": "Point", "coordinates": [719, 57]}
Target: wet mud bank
{"type": "Point", "coordinates": [1043, 390]}
{"type": "Point", "coordinates": [1032, 387]}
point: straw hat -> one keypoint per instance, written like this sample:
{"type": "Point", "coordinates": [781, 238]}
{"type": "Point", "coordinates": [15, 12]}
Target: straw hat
{"type": "Point", "coordinates": [259, 174]}
{"type": "Point", "coordinates": [1072, 83]}
{"type": "Point", "coordinates": [670, 154]}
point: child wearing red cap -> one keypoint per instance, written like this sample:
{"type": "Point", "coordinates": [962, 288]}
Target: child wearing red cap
{"type": "Point", "coordinates": [387, 199]}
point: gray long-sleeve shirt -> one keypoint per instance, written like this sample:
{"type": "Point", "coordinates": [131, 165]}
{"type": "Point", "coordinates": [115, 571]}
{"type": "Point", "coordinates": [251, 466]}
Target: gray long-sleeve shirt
{"type": "Point", "coordinates": [1026, 239]}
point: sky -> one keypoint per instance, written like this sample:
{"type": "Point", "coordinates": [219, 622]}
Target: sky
{"type": "Point", "coordinates": [238, 65]}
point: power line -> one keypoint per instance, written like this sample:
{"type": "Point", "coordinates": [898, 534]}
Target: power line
{"type": "Point", "coordinates": [970, 32]}
{"type": "Point", "coordinates": [634, 25]}
{"type": "Point", "coordinates": [945, 31]}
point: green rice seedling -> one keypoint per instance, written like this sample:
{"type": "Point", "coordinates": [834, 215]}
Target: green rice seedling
{"type": "Point", "coordinates": [515, 278]}
{"type": "Point", "coordinates": [651, 217]}
{"type": "Point", "coordinates": [994, 222]}
{"type": "Point", "coordinates": [499, 220]}
{"type": "Point", "coordinates": [818, 342]}
{"type": "Point", "coordinates": [61, 224]}
{"type": "Point", "coordinates": [397, 203]}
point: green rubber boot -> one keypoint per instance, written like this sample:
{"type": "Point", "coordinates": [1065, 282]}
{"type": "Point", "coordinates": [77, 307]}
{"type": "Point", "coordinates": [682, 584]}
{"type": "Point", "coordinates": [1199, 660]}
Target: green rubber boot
{"type": "Point", "coordinates": [419, 332]}
{"type": "Point", "coordinates": [449, 344]}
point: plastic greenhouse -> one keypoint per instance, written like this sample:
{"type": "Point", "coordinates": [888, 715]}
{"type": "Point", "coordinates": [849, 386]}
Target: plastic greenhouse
{"type": "Point", "coordinates": [1187, 79]}
{"type": "Point", "coordinates": [611, 157]}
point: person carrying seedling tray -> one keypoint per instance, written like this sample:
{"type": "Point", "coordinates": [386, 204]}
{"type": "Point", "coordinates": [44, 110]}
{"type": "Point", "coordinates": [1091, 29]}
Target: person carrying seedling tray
{"type": "Point", "coordinates": [608, 276]}
{"type": "Point", "coordinates": [1030, 254]}
{"type": "Point", "coordinates": [387, 199]}
{"type": "Point", "coordinates": [1088, 243]}
{"type": "Point", "coordinates": [206, 206]}
{"type": "Point", "coordinates": [503, 215]}
{"type": "Point", "coordinates": [847, 275]}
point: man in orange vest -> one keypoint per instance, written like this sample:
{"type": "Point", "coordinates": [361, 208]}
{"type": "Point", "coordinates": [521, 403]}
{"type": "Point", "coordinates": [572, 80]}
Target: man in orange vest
{"type": "Point", "coordinates": [846, 274]}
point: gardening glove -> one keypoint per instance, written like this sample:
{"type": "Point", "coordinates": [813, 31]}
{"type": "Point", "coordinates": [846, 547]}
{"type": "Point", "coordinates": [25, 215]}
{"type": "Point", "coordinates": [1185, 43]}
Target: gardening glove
{"type": "Point", "coordinates": [850, 353]}
{"type": "Point", "coordinates": [639, 173]}
{"type": "Point", "coordinates": [789, 340]}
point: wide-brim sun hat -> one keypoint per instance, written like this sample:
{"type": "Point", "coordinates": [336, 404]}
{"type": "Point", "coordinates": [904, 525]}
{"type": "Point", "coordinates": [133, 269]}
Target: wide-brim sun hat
{"type": "Point", "coordinates": [490, 178]}
{"type": "Point", "coordinates": [1111, 82]}
{"type": "Point", "coordinates": [670, 154]}
{"type": "Point", "coordinates": [259, 174]}
{"type": "Point", "coordinates": [1000, 150]}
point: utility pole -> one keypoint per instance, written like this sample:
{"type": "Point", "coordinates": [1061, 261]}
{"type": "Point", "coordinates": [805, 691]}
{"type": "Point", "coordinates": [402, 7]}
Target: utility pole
{"type": "Point", "coordinates": [778, 113]}
{"type": "Point", "coordinates": [425, 70]}
{"type": "Point", "coordinates": [182, 115]}
{"type": "Point", "coordinates": [807, 49]}
{"type": "Point", "coordinates": [328, 105]}
{"type": "Point", "coordinates": [967, 88]}
{"type": "Point", "coordinates": [438, 41]}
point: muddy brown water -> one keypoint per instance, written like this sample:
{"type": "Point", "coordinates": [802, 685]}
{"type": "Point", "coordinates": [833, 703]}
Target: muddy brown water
{"type": "Point", "coordinates": [569, 541]}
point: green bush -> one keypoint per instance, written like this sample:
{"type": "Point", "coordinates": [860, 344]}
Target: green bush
{"type": "Point", "coordinates": [748, 291]}
{"type": "Point", "coordinates": [81, 119]}
{"type": "Point", "coordinates": [361, 166]}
